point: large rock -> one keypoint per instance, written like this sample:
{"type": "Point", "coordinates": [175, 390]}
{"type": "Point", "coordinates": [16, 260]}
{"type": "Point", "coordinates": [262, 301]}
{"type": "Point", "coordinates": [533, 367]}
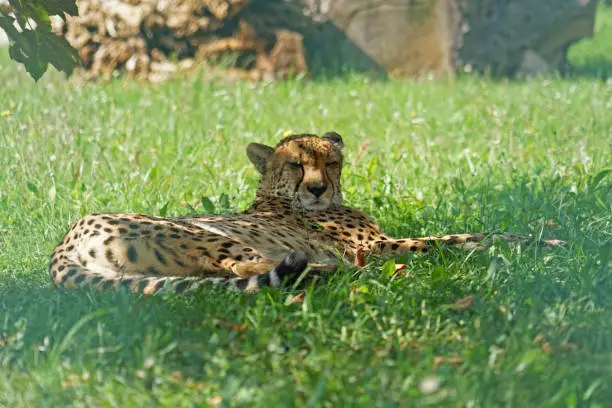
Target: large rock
{"type": "Point", "coordinates": [406, 38]}
{"type": "Point", "coordinates": [505, 37]}
{"type": "Point", "coordinates": [523, 36]}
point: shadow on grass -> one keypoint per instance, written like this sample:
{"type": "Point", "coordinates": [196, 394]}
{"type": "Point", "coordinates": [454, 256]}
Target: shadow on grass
{"type": "Point", "coordinates": [561, 290]}
{"type": "Point", "coordinates": [114, 329]}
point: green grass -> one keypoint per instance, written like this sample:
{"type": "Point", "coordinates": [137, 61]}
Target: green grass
{"type": "Point", "coordinates": [422, 157]}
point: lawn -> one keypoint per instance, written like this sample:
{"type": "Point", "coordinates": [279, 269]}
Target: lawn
{"type": "Point", "coordinates": [422, 157]}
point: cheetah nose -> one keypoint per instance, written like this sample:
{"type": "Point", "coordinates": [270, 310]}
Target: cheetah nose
{"type": "Point", "coordinates": [317, 189]}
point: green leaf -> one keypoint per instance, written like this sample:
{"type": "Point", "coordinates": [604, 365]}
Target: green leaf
{"type": "Point", "coordinates": [224, 201]}
{"type": "Point", "coordinates": [153, 174]}
{"type": "Point", "coordinates": [208, 205]}
{"type": "Point", "coordinates": [32, 187]}
{"type": "Point", "coordinates": [164, 210]}
{"type": "Point", "coordinates": [6, 23]}
{"type": "Point", "coordinates": [605, 254]}
{"type": "Point", "coordinates": [388, 268]}
{"type": "Point", "coordinates": [315, 226]}
{"type": "Point", "coordinates": [24, 49]}
{"type": "Point", "coordinates": [58, 52]}
{"type": "Point", "coordinates": [594, 184]}
{"type": "Point", "coordinates": [59, 7]}
{"type": "Point", "coordinates": [37, 48]}
{"type": "Point", "coordinates": [191, 209]}
{"type": "Point", "coordinates": [38, 13]}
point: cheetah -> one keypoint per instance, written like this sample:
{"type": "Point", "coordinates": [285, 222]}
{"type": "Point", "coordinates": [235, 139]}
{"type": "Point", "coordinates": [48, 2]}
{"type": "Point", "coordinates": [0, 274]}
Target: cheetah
{"type": "Point", "coordinates": [297, 221]}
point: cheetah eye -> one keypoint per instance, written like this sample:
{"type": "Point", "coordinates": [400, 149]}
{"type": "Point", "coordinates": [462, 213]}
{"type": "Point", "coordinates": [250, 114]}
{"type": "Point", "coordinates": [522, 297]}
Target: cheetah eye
{"type": "Point", "coordinates": [294, 164]}
{"type": "Point", "coordinates": [333, 164]}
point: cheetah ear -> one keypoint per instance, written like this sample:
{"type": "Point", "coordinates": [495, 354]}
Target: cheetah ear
{"type": "Point", "coordinates": [335, 138]}
{"type": "Point", "coordinates": [258, 155]}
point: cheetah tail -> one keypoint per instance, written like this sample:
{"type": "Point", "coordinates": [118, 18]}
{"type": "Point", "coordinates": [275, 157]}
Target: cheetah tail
{"type": "Point", "coordinates": [286, 272]}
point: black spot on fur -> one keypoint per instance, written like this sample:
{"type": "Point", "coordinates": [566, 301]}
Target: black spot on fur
{"type": "Point", "coordinates": [394, 246]}
{"type": "Point", "coordinates": [92, 253]}
{"type": "Point", "coordinates": [61, 268]}
{"type": "Point", "coordinates": [79, 279]}
{"type": "Point", "coordinates": [114, 222]}
{"type": "Point", "coordinates": [242, 283]}
{"type": "Point", "coordinates": [90, 222]}
{"type": "Point", "coordinates": [126, 282]}
{"type": "Point", "coordinates": [263, 280]}
{"type": "Point", "coordinates": [96, 280]}
{"type": "Point", "coordinates": [132, 254]}
{"type": "Point", "coordinates": [107, 284]}
{"type": "Point", "coordinates": [158, 285]}
{"type": "Point", "coordinates": [181, 286]}
{"type": "Point", "coordinates": [160, 257]}
{"type": "Point", "coordinates": [123, 230]}
{"type": "Point", "coordinates": [109, 240]}
{"type": "Point", "coordinates": [292, 264]}
{"type": "Point", "coordinates": [153, 270]}
{"type": "Point", "coordinates": [69, 274]}
{"type": "Point", "coordinates": [142, 285]}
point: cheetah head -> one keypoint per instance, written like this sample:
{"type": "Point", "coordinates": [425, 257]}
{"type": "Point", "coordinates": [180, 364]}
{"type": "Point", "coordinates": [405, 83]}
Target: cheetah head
{"type": "Point", "coordinates": [305, 168]}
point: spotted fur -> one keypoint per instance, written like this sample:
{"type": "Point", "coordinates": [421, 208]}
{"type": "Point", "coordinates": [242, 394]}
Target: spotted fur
{"type": "Point", "coordinates": [297, 219]}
